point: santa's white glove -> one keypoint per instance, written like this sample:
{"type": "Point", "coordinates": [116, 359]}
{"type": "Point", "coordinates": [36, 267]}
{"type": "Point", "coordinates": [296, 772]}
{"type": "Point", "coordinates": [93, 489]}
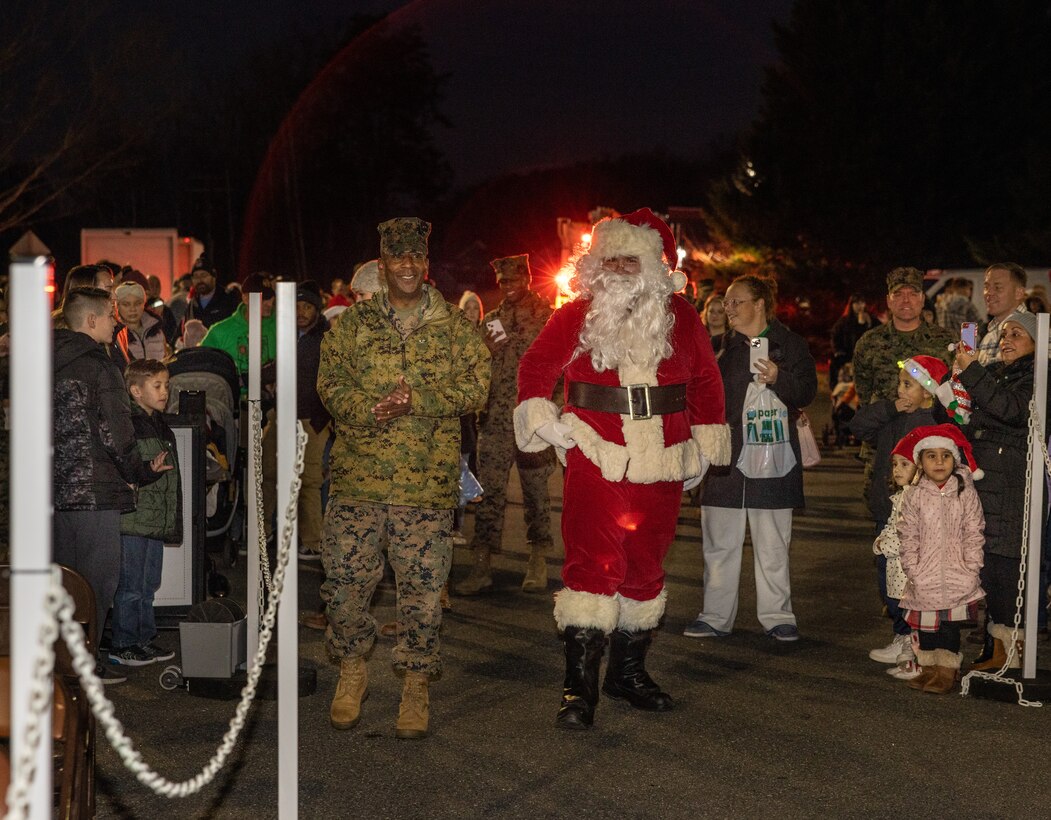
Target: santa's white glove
{"type": "Point", "coordinates": [691, 482]}
{"type": "Point", "coordinates": [557, 433]}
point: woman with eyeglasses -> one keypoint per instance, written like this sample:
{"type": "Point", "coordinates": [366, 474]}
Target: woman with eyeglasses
{"type": "Point", "coordinates": [731, 502]}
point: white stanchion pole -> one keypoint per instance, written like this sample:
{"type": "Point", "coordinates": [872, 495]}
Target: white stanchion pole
{"type": "Point", "coordinates": [288, 611]}
{"type": "Point", "coordinates": [29, 307]}
{"type": "Point", "coordinates": [1036, 503]}
{"type": "Point", "coordinates": [255, 347]}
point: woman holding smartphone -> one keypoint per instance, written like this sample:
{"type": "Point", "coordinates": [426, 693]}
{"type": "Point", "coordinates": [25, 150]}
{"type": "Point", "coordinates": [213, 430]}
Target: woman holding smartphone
{"type": "Point", "coordinates": [730, 502]}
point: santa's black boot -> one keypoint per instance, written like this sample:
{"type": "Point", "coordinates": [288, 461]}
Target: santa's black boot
{"type": "Point", "coordinates": [584, 649]}
{"type": "Point", "coordinates": [626, 676]}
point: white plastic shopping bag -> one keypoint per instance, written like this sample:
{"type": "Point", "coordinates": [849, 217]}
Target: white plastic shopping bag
{"type": "Point", "coordinates": [767, 451]}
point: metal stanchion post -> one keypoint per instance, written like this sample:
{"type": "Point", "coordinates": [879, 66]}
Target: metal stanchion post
{"type": "Point", "coordinates": [255, 303]}
{"type": "Point", "coordinates": [1036, 503]}
{"type": "Point", "coordinates": [30, 311]}
{"type": "Point", "coordinates": [288, 612]}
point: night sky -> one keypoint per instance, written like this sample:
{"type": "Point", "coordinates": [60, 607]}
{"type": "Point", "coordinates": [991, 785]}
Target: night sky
{"type": "Point", "coordinates": [534, 83]}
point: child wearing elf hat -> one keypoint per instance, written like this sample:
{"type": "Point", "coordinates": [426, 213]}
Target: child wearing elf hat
{"type": "Point", "coordinates": [941, 528]}
{"type": "Point", "coordinates": [883, 423]}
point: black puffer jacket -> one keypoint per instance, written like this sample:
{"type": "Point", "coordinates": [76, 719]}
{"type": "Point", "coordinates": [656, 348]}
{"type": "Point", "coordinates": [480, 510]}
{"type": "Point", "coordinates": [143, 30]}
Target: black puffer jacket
{"type": "Point", "coordinates": [308, 359]}
{"type": "Point", "coordinates": [998, 432]}
{"type": "Point", "coordinates": [796, 386]}
{"type": "Point", "coordinates": [96, 457]}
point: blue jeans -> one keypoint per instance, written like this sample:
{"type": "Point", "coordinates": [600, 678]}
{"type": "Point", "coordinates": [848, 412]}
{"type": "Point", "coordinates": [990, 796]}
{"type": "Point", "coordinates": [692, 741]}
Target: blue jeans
{"type": "Point", "coordinates": [141, 560]}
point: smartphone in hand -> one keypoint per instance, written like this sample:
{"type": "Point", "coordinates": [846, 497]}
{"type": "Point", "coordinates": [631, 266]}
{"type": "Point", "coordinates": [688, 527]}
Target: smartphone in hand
{"type": "Point", "coordinates": [758, 348]}
{"type": "Point", "coordinates": [496, 329]}
{"type": "Point", "coordinates": [969, 334]}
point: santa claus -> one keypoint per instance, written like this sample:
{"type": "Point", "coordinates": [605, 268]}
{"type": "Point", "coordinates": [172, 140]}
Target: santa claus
{"type": "Point", "coordinates": [643, 418]}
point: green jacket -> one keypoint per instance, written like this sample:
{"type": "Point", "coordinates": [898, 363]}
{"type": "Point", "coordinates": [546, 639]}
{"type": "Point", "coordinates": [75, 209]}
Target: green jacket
{"type": "Point", "coordinates": [158, 505]}
{"type": "Point", "coordinates": [878, 352]}
{"type": "Point", "coordinates": [231, 335]}
{"type": "Point", "coordinates": [413, 460]}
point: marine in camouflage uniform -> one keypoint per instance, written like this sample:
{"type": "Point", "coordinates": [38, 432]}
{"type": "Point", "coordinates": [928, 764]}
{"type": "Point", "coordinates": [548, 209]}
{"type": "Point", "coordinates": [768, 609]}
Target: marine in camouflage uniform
{"type": "Point", "coordinates": [878, 352]}
{"type": "Point", "coordinates": [396, 373]}
{"type": "Point", "coordinates": [522, 315]}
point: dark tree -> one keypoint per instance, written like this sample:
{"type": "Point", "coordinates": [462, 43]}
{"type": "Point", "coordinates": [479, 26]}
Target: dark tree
{"type": "Point", "coordinates": [356, 148]}
{"type": "Point", "coordinates": [75, 105]}
{"type": "Point", "coordinates": [899, 132]}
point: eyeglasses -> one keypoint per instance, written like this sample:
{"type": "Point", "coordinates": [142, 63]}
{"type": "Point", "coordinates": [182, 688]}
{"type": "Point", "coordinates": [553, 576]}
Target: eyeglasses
{"type": "Point", "coordinates": [732, 303]}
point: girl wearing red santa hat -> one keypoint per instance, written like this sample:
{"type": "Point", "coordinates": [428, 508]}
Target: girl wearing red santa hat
{"type": "Point", "coordinates": [941, 530]}
{"type": "Point", "coordinates": [883, 423]}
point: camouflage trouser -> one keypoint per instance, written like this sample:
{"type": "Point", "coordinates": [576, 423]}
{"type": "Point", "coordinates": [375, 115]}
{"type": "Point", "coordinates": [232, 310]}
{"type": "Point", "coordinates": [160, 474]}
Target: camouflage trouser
{"type": "Point", "coordinates": [419, 548]}
{"type": "Point", "coordinates": [496, 453]}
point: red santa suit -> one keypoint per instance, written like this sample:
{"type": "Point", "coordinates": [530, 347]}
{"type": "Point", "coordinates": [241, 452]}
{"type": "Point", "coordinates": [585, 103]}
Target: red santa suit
{"type": "Point", "coordinates": [624, 479]}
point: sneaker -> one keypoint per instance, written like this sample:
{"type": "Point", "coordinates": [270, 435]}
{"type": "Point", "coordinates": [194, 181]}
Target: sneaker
{"type": "Point", "coordinates": [158, 653]}
{"type": "Point", "coordinates": [890, 652]}
{"type": "Point", "coordinates": [700, 629]}
{"type": "Point", "coordinates": [107, 675]}
{"type": "Point", "coordinates": [907, 671]}
{"type": "Point", "coordinates": [131, 656]}
{"type": "Point", "coordinates": [783, 632]}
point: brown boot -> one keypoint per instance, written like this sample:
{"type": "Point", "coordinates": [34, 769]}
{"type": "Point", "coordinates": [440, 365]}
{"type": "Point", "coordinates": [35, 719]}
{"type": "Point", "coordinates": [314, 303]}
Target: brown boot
{"type": "Point", "coordinates": [946, 672]}
{"type": "Point", "coordinates": [993, 662]}
{"type": "Point", "coordinates": [351, 692]}
{"type": "Point", "coordinates": [480, 578]}
{"type": "Point", "coordinates": [926, 659]}
{"type": "Point", "coordinates": [536, 573]}
{"type": "Point", "coordinates": [413, 713]}
{"type": "Point", "coordinates": [1001, 636]}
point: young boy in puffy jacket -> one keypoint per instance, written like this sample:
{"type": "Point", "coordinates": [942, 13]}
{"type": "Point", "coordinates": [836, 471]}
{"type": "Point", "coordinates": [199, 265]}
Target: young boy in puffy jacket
{"type": "Point", "coordinates": [157, 519]}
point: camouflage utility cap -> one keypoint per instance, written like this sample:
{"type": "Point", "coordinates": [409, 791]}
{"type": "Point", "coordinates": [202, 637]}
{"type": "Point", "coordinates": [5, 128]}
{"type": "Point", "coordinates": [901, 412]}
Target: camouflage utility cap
{"type": "Point", "coordinates": [512, 266]}
{"type": "Point", "coordinates": [404, 234]}
{"type": "Point", "coordinates": [905, 278]}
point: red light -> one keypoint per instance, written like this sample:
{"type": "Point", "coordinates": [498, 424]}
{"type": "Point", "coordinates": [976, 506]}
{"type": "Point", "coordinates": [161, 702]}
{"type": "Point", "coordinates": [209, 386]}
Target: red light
{"type": "Point", "coordinates": [629, 522]}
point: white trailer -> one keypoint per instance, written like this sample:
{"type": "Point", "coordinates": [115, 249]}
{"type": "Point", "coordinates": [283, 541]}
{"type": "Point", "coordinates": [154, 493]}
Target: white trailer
{"type": "Point", "coordinates": [159, 252]}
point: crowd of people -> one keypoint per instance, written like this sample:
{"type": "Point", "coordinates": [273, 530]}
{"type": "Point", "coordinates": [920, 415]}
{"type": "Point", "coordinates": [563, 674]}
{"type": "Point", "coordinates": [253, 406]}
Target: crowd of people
{"type": "Point", "coordinates": [640, 394]}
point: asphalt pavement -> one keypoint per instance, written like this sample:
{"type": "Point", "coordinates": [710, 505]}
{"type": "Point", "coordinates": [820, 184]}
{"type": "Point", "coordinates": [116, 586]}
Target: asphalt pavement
{"type": "Point", "coordinates": [761, 728]}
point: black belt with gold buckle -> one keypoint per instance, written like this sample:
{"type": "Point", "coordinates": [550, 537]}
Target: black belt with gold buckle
{"type": "Point", "coordinates": [638, 401]}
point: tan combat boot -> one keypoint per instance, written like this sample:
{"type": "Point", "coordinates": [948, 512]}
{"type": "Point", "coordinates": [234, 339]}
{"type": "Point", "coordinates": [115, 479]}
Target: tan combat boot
{"type": "Point", "coordinates": [481, 576]}
{"type": "Point", "coordinates": [536, 573]}
{"type": "Point", "coordinates": [413, 713]}
{"type": "Point", "coordinates": [351, 691]}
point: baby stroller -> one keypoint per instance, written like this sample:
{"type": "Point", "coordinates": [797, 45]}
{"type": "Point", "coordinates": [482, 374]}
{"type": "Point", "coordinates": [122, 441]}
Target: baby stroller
{"type": "Point", "coordinates": [212, 372]}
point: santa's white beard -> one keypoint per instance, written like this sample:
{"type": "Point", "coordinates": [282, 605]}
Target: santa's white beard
{"type": "Point", "coordinates": [628, 320]}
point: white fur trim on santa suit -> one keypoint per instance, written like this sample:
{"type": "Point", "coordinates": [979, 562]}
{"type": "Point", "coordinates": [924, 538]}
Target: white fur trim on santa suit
{"type": "Point", "coordinates": [615, 237]}
{"type": "Point", "coordinates": [636, 616]}
{"type": "Point", "coordinates": [588, 610]}
{"type": "Point", "coordinates": [530, 416]}
{"type": "Point", "coordinates": [644, 458]}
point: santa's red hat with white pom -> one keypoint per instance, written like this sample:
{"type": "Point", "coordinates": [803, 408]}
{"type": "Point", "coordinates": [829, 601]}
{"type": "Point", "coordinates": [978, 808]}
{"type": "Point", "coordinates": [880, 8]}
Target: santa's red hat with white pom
{"type": "Point", "coordinates": [641, 233]}
{"type": "Point", "coordinates": [944, 436]}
